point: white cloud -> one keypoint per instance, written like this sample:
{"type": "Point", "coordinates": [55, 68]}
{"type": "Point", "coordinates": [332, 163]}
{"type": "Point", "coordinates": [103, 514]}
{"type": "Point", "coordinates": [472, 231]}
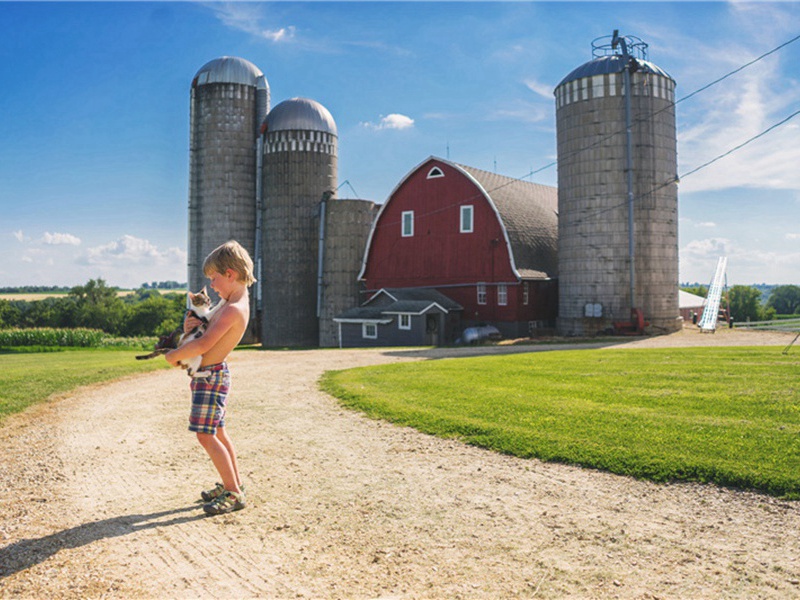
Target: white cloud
{"type": "Point", "coordinates": [543, 89]}
{"type": "Point", "coordinates": [392, 121]}
{"type": "Point", "coordinates": [247, 18]}
{"type": "Point", "coordinates": [129, 250]}
{"type": "Point", "coordinates": [793, 236]}
{"type": "Point", "coordinates": [56, 239]}
{"type": "Point", "coordinates": [19, 235]}
{"type": "Point", "coordinates": [708, 224]}
{"type": "Point", "coordinates": [746, 264]}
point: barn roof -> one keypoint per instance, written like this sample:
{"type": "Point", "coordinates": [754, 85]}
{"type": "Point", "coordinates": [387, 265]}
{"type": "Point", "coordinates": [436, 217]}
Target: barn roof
{"type": "Point", "coordinates": [529, 213]}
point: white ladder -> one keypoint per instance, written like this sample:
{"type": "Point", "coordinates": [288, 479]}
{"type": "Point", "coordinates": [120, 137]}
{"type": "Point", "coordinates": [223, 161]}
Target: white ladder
{"type": "Point", "coordinates": [711, 311]}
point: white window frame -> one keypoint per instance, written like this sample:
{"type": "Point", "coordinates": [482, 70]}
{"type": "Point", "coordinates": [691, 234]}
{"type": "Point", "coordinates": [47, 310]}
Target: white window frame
{"type": "Point", "coordinates": [502, 294]}
{"type": "Point", "coordinates": [365, 331]}
{"type": "Point", "coordinates": [467, 210]}
{"type": "Point", "coordinates": [404, 321]}
{"type": "Point", "coordinates": [526, 293]}
{"type": "Point", "coordinates": [435, 173]}
{"type": "Point", "coordinates": [407, 218]}
{"type": "Point", "coordinates": [482, 296]}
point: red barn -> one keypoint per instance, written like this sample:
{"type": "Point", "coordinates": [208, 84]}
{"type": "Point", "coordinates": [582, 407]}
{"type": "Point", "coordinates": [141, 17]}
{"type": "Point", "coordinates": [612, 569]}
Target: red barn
{"type": "Point", "coordinates": [486, 241]}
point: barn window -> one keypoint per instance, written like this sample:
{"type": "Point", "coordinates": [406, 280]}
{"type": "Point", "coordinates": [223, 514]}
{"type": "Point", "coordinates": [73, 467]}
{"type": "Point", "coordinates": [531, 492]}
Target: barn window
{"type": "Point", "coordinates": [408, 223]}
{"type": "Point", "coordinates": [481, 293]}
{"type": "Point", "coordinates": [502, 294]}
{"type": "Point", "coordinates": [404, 322]}
{"type": "Point", "coordinates": [369, 331]}
{"type": "Point", "coordinates": [466, 219]}
{"type": "Point", "coordinates": [526, 293]}
{"type": "Point", "coordinates": [434, 173]}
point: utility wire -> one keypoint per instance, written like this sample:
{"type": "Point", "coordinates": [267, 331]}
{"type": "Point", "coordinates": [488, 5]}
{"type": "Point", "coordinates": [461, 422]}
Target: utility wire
{"type": "Point", "coordinates": [637, 121]}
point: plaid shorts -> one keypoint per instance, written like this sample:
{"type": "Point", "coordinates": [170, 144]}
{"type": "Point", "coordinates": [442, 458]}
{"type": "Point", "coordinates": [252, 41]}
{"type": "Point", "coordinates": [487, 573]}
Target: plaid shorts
{"type": "Point", "coordinates": [209, 396]}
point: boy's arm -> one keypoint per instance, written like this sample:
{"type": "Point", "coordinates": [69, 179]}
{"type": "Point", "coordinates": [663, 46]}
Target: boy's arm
{"type": "Point", "coordinates": [226, 319]}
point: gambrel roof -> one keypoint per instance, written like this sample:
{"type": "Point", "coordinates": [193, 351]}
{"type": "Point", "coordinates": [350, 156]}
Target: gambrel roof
{"type": "Point", "coordinates": [529, 213]}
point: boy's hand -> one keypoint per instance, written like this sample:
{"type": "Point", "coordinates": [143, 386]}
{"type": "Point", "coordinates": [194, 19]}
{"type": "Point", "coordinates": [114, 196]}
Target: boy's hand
{"type": "Point", "coordinates": [190, 323]}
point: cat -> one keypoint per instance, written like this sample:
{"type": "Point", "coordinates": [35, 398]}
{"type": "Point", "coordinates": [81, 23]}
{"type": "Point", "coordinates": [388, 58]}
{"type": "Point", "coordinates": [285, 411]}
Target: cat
{"type": "Point", "coordinates": [199, 306]}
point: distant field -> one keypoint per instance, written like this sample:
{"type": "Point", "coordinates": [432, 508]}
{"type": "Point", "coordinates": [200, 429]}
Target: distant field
{"type": "Point", "coordinates": [42, 295]}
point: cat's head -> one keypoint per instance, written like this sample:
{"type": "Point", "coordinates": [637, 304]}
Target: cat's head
{"type": "Point", "coordinates": [199, 301]}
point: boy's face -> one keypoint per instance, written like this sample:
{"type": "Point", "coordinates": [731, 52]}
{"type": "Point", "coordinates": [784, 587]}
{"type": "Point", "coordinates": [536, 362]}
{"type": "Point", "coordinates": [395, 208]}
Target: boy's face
{"type": "Point", "coordinates": [222, 283]}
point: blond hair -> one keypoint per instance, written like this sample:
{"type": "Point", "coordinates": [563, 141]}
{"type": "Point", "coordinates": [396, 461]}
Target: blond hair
{"type": "Point", "coordinates": [230, 255]}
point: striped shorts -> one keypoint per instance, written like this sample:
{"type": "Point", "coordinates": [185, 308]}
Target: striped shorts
{"type": "Point", "coordinates": [209, 396]}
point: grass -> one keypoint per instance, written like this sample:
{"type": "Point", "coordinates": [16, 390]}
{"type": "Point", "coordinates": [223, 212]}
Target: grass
{"type": "Point", "coordinates": [729, 416]}
{"type": "Point", "coordinates": [27, 378]}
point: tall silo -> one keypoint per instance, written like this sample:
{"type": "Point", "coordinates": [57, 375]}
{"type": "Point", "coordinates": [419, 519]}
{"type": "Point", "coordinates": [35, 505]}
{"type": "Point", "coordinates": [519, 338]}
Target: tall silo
{"type": "Point", "coordinates": [617, 191]}
{"type": "Point", "coordinates": [299, 167]}
{"type": "Point", "coordinates": [229, 100]}
{"type": "Point", "coordinates": [342, 238]}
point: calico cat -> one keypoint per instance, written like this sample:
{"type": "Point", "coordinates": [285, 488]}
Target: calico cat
{"type": "Point", "coordinates": [199, 306]}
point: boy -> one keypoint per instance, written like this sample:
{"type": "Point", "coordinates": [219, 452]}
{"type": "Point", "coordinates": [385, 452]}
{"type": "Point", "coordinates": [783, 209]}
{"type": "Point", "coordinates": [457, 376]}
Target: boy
{"type": "Point", "coordinates": [230, 271]}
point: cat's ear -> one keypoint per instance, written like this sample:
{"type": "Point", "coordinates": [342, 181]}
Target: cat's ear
{"type": "Point", "coordinates": [204, 291]}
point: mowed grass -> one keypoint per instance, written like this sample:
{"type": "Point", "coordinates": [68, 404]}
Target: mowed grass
{"type": "Point", "coordinates": [28, 378]}
{"type": "Point", "coordinates": [730, 416]}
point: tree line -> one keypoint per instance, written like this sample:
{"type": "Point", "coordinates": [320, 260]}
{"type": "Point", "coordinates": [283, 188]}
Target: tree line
{"type": "Point", "coordinates": [746, 301]}
{"type": "Point", "coordinates": [95, 305]}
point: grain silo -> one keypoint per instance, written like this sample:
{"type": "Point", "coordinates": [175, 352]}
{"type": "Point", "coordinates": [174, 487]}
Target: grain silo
{"type": "Point", "coordinates": [229, 100]}
{"type": "Point", "coordinates": [299, 167]}
{"type": "Point", "coordinates": [342, 236]}
{"type": "Point", "coordinates": [617, 192]}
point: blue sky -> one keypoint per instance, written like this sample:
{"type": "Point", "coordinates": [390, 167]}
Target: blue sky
{"type": "Point", "coordinates": [94, 115]}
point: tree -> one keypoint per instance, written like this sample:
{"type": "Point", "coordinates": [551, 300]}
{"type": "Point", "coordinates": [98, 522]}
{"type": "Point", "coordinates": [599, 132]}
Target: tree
{"type": "Point", "coordinates": [745, 303]}
{"type": "Point", "coordinates": [785, 299]}
{"type": "Point", "coordinates": [697, 290]}
{"type": "Point", "coordinates": [98, 307]}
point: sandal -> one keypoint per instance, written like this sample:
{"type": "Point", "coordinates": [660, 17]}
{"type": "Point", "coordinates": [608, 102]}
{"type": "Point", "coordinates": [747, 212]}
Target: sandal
{"type": "Point", "coordinates": [225, 503]}
{"type": "Point", "coordinates": [216, 491]}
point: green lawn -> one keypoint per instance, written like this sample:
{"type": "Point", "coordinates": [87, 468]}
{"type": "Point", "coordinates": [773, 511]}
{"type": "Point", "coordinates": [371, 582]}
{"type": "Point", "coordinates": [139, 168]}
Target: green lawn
{"type": "Point", "coordinates": [27, 378]}
{"type": "Point", "coordinates": [725, 415]}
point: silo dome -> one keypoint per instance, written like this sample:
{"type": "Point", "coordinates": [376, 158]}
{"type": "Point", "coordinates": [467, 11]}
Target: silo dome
{"type": "Point", "coordinates": [230, 69]}
{"type": "Point", "coordinates": [605, 65]}
{"type": "Point", "coordinates": [301, 114]}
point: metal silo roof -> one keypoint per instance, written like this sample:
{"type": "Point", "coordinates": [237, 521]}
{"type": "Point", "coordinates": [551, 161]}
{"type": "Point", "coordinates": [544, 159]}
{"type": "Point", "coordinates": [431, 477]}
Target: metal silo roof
{"type": "Point", "coordinates": [303, 114]}
{"type": "Point", "coordinates": [610, 64]}
{"type": "Point", "coordinates": [231, 69]}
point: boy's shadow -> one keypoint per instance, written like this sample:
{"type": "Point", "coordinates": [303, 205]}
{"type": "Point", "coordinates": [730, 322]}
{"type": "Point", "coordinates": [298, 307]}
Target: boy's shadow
{"type": "Point", "coordinates": [29, 552]}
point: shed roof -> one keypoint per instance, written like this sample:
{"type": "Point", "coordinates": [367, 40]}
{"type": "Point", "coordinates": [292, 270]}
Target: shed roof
{"type": "Point", "coordinates": [415, 301]}
{"type": "Point", "coordinates": [425, 296]}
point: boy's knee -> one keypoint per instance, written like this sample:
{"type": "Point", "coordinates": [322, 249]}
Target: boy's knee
{"type": "Point", "coordinates": [205, 438]}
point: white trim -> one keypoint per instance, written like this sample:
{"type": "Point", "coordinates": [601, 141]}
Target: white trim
{"type": "Point", "coordinates": [502, 294]}
{"type": "Point", "coordinates": [403, 216]}
{"type": "Point", "coordinates": [422, 312]}
{"type": "Point", "coordinates": [438, 173]}
{"type": "Point", "coordinates": [400, 318]}
{"type": "Point", "coordinates": [466, 208]}
{"type": "Point", "coordinates": [375, 321]}
{"type": "Point", "coordinates": [364, 331]}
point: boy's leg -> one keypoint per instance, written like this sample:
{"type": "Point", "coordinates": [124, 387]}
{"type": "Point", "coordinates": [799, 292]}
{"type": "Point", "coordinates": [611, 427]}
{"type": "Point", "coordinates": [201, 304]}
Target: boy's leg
{"type": "Point", "coordinates": [222, 436]}
{"type": "Point", "coordinates": [221, 459]}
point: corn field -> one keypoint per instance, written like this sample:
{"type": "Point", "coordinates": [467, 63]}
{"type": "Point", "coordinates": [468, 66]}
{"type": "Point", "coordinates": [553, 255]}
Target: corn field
{"type": "Point", "coordinates": [75, 338]}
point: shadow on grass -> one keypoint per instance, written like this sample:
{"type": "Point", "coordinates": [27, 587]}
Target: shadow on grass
{"type": "Point", "coordinates": [26, 553]}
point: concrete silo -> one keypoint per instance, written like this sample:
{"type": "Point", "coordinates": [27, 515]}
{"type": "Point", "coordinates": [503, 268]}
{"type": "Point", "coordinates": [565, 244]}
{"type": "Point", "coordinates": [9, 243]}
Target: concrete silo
{"type": "Point", "coordinates": [299, 166]}
{"type": "Point", "coordinates": [229, 100]}
{"type": "Point", "coordinates": [617, 192]}
{"type": "Point", "coordinates": [343, 238]}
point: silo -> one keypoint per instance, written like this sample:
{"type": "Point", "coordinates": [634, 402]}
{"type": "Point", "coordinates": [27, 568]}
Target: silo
{"type": "Point", "coordinates": [617, 191]}
{"type": "Point", "coordinates": [299, 166]}
{"type": "Point", "coordinates": [343, 239]}
{"type": "Point", "coordinates": [229, 100]}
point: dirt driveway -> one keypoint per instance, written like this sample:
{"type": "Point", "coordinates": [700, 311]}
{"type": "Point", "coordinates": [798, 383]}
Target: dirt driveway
{"type": "Point", "coordinates": [101, 494]}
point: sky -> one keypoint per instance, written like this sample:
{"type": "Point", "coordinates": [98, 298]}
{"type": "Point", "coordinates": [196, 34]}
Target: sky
{"type": "Point", "coordinates": [94, 115]}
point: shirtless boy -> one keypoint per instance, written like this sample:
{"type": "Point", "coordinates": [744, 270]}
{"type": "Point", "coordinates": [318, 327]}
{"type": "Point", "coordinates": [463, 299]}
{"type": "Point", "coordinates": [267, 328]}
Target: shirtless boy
{"type": "Point", "coordinates": [230, 271]}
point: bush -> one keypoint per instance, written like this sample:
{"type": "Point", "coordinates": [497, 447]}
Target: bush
{"type": "Point", "coordinates": [48, 336]}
